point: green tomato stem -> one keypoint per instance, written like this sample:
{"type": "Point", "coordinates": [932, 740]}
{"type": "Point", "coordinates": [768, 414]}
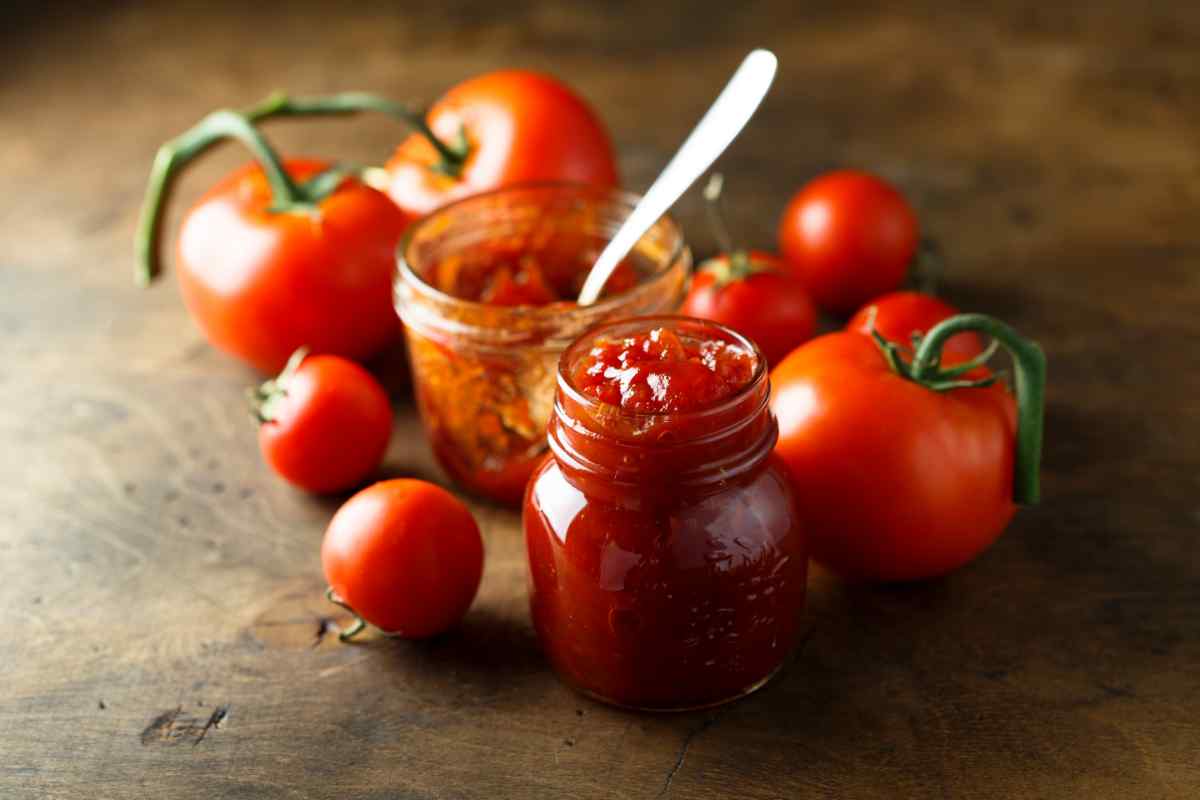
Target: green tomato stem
{"type": "Point", "coordinates": [359, 623]}
{"type": "Point", "coordinates": [286, 195]}
{"type": "Point", "coordinates": [1029, 368]}
{"type": "Point", "coordinates": [716, 216]}
{"type": "Point", "coordinates": [172, 156]}
{"type": "Point", "coordinates": [280, 104]}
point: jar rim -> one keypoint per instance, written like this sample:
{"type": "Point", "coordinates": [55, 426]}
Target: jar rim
{"type": "Point", "coordinates": [568, 315]}
{"type": "Point", "coordinates": [648, 322]}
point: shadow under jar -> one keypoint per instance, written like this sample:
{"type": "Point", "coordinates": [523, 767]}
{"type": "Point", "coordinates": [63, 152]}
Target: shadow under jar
{"type": "Point", "coordinates": [667, 562]}
{"type": "Point", "coordinates": [486, 289]}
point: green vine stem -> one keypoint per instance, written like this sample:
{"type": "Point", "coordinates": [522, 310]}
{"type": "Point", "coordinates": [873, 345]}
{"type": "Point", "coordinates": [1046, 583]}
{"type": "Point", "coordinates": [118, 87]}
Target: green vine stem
{"type": "Point", "coordinates": [359, 623]}
{"type": "Point", "coordinates": [1029, 368]}
{"type": "Point", "coordinates": [738, 264]}
{"type": "Point", "coordinates": [712, 208]}
{"type": "Point", "coordinates": [280, 104]}
{"type": "Point", "coordinates": [286, 195]}
{"type": "Point", "coordinates": [223, 124]}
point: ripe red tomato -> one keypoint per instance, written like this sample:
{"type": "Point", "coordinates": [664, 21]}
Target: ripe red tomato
{"type": "Point", "coordinates": [261, 284]}
{"type": "Point", "coordinates": [897, 316]}
{"type": "Point", "coordinates": [405, 556]}
{"type": "Point", "coordinates": [897, 481]}
{"type": "Point", "coordinates": [519, 126]}
{"type": "Point", "coordinates": [849, 237]}
{"type": "Point", "coordinates": [325, 423]}
{"type": "Point", "coordinates": [754, 294]}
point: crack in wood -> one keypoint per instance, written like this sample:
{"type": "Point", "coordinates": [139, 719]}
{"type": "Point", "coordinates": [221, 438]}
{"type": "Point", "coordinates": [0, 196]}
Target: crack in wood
{"type": "Point", "coordinates": [214, 721]}
{"type": "Point", "coordinates": [173, 726]}
{"type": "Point", "coordinates": [713, 718]}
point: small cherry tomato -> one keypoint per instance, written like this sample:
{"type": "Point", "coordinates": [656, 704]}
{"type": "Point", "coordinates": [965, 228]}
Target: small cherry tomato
{"type": "Point", "coordinates": [405, 556]}
{"type": "Point", "coordinates": [849, 237]}
{"type": "Point", "coordinates": [907, 469]}
{"type": "Point", "coordinates": [507, 127]}
{"type": "Point", "coordinates": [325, 423]}
{"type": "Point", "coordinates": [900, 315]}
{"type": "Point", "coordinates": [753, 293]}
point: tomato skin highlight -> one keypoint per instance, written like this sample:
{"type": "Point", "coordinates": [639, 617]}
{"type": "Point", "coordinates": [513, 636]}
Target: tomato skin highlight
{"type": "Point", "coordinates": [406, 555]}
{"type": "Point", "coordinates": [896, 482]}
{"type": "Point", "coordinates": [898, 315]}
{"type": "Point", "coordinates": [261, 284]}
{"type": "Point", "coordinates": [331, 427]}
{"type": "Point", "coordinates": [768, 305]}
{"type": "Point", "coordinates": [521, 126]}
{"type": "Point", "coordinates": [849, 237]}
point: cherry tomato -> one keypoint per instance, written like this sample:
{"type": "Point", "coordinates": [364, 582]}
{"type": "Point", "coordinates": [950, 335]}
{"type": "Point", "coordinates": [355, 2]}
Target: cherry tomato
{"type": "Point", "coordinates": [260, 284]}
{"type": "Point", "coordinates": [405, 556]}
{"type": "Point", "coordinates": [849, 237]}
{"type": "Point", "coordinates": [896, 480]}
{"type": "Point", "coordinates": [325, 423]}
{"type": "Point", "coordinates": [754, 294]}
{"type": "Point", "coordinates": [899, 315]}
{"type": "Point", "coordinates": [519, 126]}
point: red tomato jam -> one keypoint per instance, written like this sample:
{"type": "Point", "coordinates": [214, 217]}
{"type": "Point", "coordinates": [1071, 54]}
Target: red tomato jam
{"type": "Point", "coordinates": [658, 372]}
{"type": "Point", "coordinates": [503, 274]}
{"type": "Point", "coordinates": [667, 563]}
{"type": "Point", "coordinates": [482, 412]}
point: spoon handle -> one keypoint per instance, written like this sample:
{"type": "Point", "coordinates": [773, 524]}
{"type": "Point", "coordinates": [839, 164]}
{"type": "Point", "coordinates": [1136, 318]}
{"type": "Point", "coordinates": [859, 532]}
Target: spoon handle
{"type": "Point", "coordinates": [719, 126]}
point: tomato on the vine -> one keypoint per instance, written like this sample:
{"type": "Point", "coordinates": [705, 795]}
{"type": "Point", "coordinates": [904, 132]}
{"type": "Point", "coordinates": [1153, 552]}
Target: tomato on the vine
{"type": "Point", "coordinates": [501, 128]}
{"type": "Point", "coordinates": [753, 293]}
{"type": "Point", "coordinates": [901, 315]}
{"type": "Point", "coordinates": [907, 469]}
{"type": "Point", "coordinates": [261, 283]}
{"type": "Point", "coordinates": [405, 556]}
{"type": "Point", "coordinates": [848, 236]}
{"type": "Point", "coordinates": [325, 422]}
{"type": "Point", "coordinates": [279, 254]}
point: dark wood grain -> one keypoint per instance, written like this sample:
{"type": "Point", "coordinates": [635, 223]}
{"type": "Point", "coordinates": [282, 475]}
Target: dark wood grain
{"type": "Point", "coordinates": [162, 631]}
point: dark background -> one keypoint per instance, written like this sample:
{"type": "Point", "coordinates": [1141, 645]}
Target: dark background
{"type": "Point", "coordinates": [160, 593]}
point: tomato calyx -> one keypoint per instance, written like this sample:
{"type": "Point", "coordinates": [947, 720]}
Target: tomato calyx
{"type": "Point", "coordinates": [934, 377]}
{"type": "Point", "coordinates": [265, 398]}
{"type": "Point", "coordinates": [731, 268]}
{"type": "Point", "coordinates": [1029, 383]}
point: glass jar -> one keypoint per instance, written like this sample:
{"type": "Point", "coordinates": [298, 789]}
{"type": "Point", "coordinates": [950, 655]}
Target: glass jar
{"type": "Point", "coordinates": [483, 374]}
{"type": "Point", "coordinates": [667, 563]}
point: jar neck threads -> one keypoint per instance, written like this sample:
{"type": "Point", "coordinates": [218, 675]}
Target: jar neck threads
{"type": "Point", "coordinates": [603, 444]}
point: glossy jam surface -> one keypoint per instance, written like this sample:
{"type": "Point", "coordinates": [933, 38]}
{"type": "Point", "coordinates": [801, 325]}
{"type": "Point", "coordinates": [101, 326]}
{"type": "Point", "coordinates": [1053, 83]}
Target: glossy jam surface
{"type": "Point", "coordinates": [667, 562]}
{"type": "Point", "coordinates": [671, 607]}
{"type": "Point", "coordinates": [662, 370]}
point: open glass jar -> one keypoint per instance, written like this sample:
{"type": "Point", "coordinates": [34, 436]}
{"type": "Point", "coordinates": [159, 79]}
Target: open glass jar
{"type": "Point", "coordinates": [667, 562]}
{"type": "Point", "coordinates": [484, 374]}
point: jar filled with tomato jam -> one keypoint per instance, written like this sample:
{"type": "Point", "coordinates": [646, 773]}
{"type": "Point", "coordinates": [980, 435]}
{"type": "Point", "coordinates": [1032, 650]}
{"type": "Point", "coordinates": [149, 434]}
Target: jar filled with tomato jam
{"type": "Point", "coordinates": [667, 562]}
{"type": "Point", "coordinates": [486, 290]}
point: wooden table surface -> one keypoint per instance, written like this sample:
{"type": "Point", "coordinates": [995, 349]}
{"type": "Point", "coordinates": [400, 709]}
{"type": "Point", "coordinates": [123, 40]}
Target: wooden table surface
{"type": "Point", "coordinates": [160, 605]}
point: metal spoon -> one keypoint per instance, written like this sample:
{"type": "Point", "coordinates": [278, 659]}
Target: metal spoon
{"type": "Point", "coordinates": [719, 126]}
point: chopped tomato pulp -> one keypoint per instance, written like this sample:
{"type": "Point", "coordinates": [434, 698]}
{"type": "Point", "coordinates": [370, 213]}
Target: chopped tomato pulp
{"type": "Point", "coordinates": [660, 372]}
{"type": "Point", "coordinates": [502, 277]}
{"type": "Point", "coordinates": [485, 413]}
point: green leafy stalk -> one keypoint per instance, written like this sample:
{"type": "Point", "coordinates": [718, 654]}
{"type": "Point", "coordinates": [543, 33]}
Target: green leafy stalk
{"type": "Point", "coordinates": [286, 194]}
{"type": "Point", "coordinates": [1029, 369]}
{"type": "Point", "coordinates": [172, 156]}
